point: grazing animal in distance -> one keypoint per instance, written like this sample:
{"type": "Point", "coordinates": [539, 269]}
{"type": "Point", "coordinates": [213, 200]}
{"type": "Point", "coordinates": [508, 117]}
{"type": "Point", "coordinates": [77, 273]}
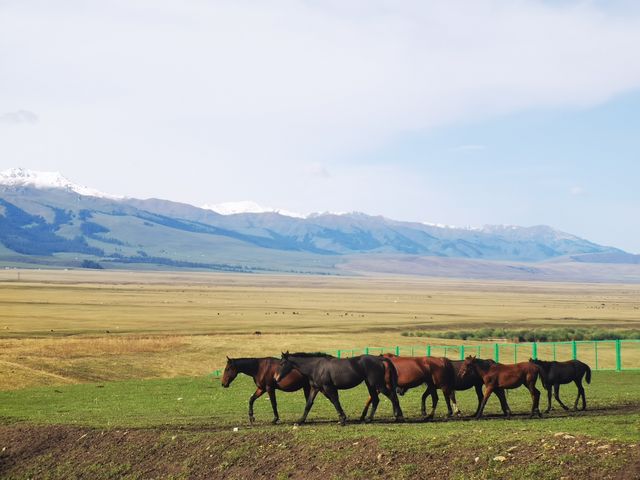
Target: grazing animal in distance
{"type": "Point", "coordinates": [555, 374]}
{"type": "Point", "coordinates": [328, 374]}
{"type": "Point", "coordinates": [263, 371]}
{"type": "Point", "coordinates": [497, 377]}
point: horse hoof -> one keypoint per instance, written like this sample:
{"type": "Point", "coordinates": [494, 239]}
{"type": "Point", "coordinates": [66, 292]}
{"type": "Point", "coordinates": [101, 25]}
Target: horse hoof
{"type": "Point", "coordinates": [252, 419]}
{"type": "Point", "coordinates": [400, 420]}
{"type": "Point", "coordinates": [275, 421]}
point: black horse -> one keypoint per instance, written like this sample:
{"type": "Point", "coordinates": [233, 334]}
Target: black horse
{"type": "Point", "coordinates": [473, 380]}
{"type": "Point", "coordinates": [328, 374]}
{"type": "Point", "coordinates": [555, 374]}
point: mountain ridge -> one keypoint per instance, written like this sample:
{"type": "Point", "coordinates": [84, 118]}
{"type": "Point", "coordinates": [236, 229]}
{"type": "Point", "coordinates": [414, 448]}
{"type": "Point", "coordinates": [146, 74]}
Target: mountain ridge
{"type": "Point", "coordinates": [63, 225]}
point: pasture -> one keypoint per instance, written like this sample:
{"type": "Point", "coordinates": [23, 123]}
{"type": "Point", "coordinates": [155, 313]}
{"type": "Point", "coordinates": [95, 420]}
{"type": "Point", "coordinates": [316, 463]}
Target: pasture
{"type": "Point", "coordinates": [107, 374]}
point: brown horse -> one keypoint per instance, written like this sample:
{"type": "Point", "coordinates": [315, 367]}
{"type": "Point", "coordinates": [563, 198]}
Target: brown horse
{"type": "Point", "coordinates": [434, 372]}
{"type": "Point", "coordinates": [263, 371]}
{"type": "Point", "coordinates": [472, 379]}
{"type": "Point", "coordinates": [497, 377]}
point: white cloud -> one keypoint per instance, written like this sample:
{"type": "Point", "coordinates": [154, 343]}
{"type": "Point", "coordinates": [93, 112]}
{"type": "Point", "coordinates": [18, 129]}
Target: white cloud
{"type": "Point", "coordinates": [576, 190]}
{"type": "Point", "coordinates": [19, 117]}
{"type": "Point", "coordinates": [217, 100]}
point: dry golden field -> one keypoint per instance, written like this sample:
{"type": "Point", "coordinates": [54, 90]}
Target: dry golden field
{"type": "Point", "coordinates": [60, 327]}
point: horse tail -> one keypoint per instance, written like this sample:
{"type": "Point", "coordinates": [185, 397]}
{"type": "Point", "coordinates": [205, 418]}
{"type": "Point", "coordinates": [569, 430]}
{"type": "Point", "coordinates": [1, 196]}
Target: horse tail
{"type": "Point", "coordinates": [543, 375]}
{"type": "Point", "coordinates": [393, 374]}
{"type": "Point", "coordinates": [449, 373]}
{"type": "Point", "coordinates": [588, 376]}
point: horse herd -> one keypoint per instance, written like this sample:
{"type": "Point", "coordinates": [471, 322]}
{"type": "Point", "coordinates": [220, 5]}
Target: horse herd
{"type": "Point", "coordinates": [391, 375]}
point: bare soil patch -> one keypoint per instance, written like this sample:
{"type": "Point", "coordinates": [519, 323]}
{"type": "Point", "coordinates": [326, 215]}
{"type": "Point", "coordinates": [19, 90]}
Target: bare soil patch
{"type": "Point", "coordinates": [28, 451]}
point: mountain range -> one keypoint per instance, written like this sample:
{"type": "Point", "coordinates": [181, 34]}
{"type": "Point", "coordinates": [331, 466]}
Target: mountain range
{"type": "Point", "coordinates": [47, 220]}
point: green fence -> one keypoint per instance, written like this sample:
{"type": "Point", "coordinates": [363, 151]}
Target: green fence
{"type": "Point", "coordinates": [612, 355]}
{"type": "Point", "coordinates": [615, 355]}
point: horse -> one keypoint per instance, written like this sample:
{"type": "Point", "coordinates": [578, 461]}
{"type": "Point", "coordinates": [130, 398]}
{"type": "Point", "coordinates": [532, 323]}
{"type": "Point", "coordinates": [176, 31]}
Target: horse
{"type": "Point", "coordinates": [263, 371]}
{"type": "Point", "coordinates": [498, 377]}
{"type": "Point", "coordinates": [328, 374]}
{"type": "Point", "coordinates": [559, 373]}
{"type": "Point", "coordinates": [434, 372]}
{"type": "Point", "coordinates": [471, 379]}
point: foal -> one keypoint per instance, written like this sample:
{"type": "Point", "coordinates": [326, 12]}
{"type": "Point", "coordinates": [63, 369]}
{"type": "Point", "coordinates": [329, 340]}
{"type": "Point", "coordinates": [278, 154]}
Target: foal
{"type": "Point", "coordinates": [434, 372]}
{"type": "Point", "coordinates": [556, 373]}
{"type": "Point", "coordinates": [497, 377]}
{"type": "Point", "coordinates": [328, 374]}
{"type": "Point", "coordinates": [263, 372]}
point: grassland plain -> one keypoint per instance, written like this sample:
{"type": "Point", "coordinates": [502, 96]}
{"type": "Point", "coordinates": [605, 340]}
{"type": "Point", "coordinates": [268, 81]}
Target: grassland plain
{"type": "Point", "coordinates": [104, 374]}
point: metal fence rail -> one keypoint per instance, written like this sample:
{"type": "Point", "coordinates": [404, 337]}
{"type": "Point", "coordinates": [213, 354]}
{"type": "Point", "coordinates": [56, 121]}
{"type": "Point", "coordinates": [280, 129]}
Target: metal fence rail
{"type": "Point", "coordinates": [601, 355]}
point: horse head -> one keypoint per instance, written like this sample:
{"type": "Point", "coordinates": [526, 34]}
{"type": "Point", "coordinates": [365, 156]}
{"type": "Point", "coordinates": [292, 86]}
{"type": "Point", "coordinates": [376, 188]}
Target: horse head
{"type": "Point", "coordinates": [285, 367]}
{"type": "Point", "coordinates": [230, 373]}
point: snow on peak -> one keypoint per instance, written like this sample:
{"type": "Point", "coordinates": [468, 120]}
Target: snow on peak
{"type": "Point", "coordinates": [19, 177]}
{"type": "Point", "coordinates": [246, 206]}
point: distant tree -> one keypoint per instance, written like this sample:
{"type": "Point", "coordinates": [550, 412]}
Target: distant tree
{"type": "Point", "coordinates": [91, 264]}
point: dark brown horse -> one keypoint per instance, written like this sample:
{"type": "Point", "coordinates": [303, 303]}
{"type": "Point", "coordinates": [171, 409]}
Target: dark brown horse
{"type": "Point", "coordinates": [497, 377]}
{"type": "Point", "coordinates": [555, 374]}
{"type": "Point", "coordinates": [263, 371]}
{"type": "Point", "coordinates": [434, 372]}
{"type": "Point", "coordinates": [472, 380]}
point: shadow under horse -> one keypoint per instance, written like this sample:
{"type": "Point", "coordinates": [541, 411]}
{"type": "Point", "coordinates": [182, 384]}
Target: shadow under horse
{"type": "Point", "coordinates": [497, 377]}
{"type": "Point", "coordinates": [263, 371]}
{"type": "Point", "coordinates": [434, 372]}
{"type": "Point", "coordinates": [559, 373]}
{"type": "Point", "coordinates": [328, 374]}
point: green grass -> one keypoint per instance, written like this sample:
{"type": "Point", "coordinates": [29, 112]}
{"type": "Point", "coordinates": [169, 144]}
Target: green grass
{"type": "Point", "coordinates": [613, 402]}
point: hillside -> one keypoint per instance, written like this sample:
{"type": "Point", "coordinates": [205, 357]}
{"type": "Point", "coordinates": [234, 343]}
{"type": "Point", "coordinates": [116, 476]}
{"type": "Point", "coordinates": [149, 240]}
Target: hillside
{"type": "Point", "coordinates": [45, 220]}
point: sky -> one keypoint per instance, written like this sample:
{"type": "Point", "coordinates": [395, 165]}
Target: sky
{"type": "Point", "coordinates": [455, 112]}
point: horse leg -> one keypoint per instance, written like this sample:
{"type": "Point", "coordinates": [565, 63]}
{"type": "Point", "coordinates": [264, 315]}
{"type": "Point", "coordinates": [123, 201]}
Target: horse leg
{"type": "Point", "coordinates": [581, 393]}
{"type": "Point", "coordinates": [433, 392]}
{"type": "Point", "coordinates": [332, 394]}
{"type": "Point", "coordinates": [449, 398]}
{"type": "Point", "coordinates": [556, 394]}
{"type": "Point", "coordinates": [503, 403]}
{"type": "Point", "coordinates": [257, 394]}
{"type": "Point", "coordinates": [535, 396]}
{"type": "Point", "coordinates": [575, 404]}
{"type": "Point", "coordinates": [548, 389]}
{"type": "Point", "coordinates": [310, 399]}
{"type": "Point", "coordinates": [395, 402]}
{"type": "Point", "coordinates": [366, 408]}
{"type": "Point", "coordinates": [479, 395]}
{"type": "Point", "coordinates": [274, 405]}
{"type": "Point", "coordinates": [374, 399]}
{"type": "Point", "coordinates": [487, 394]}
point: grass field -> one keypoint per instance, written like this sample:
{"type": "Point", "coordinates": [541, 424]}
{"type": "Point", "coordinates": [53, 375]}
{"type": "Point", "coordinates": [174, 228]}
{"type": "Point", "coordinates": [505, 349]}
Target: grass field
{"type": "Point", "coordinates": [106, 374]}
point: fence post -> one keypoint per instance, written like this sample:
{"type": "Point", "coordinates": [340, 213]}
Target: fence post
{"type": "Point", "coordinates": [338, 355]}
{"type": "Point", "coordinates": [461, 352]}
{"type": "Point", "coordinates": [574, 350]}
{"type": "Point", "coordinates": [554, 351]}
{"type": "Point", "coordinates": [366, 350]}
{"type": "Point", "coordinates": [496, 352]}
{"type": "Point", "coordinates": [428, 350]}
{"type": "Point", "coordinates": [397, 350]}
{"type": "Point", "coordinates": [534, 351]}
{"type": "Point", "coordinates": [595, 348]}
{"type": "Point", "coordinates": [618, 356]}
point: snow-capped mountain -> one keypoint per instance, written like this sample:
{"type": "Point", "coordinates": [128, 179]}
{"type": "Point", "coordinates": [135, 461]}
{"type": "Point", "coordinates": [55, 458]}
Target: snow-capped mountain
{"type": "Point", "coordinates": [21, 177]}
{"type": "Point", "coordinates": [247, 206]}
{"type": "Point", "coordinates": [45, 216]}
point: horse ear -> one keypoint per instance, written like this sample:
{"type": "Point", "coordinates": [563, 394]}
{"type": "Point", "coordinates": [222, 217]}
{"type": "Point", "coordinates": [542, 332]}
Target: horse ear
{"type": "Point", "coordinates": [228, 359]}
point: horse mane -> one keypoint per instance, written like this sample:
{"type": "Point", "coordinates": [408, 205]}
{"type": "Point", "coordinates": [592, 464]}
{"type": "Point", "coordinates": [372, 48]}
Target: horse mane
{"type": "Point", "coordinates": [310, 354]}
